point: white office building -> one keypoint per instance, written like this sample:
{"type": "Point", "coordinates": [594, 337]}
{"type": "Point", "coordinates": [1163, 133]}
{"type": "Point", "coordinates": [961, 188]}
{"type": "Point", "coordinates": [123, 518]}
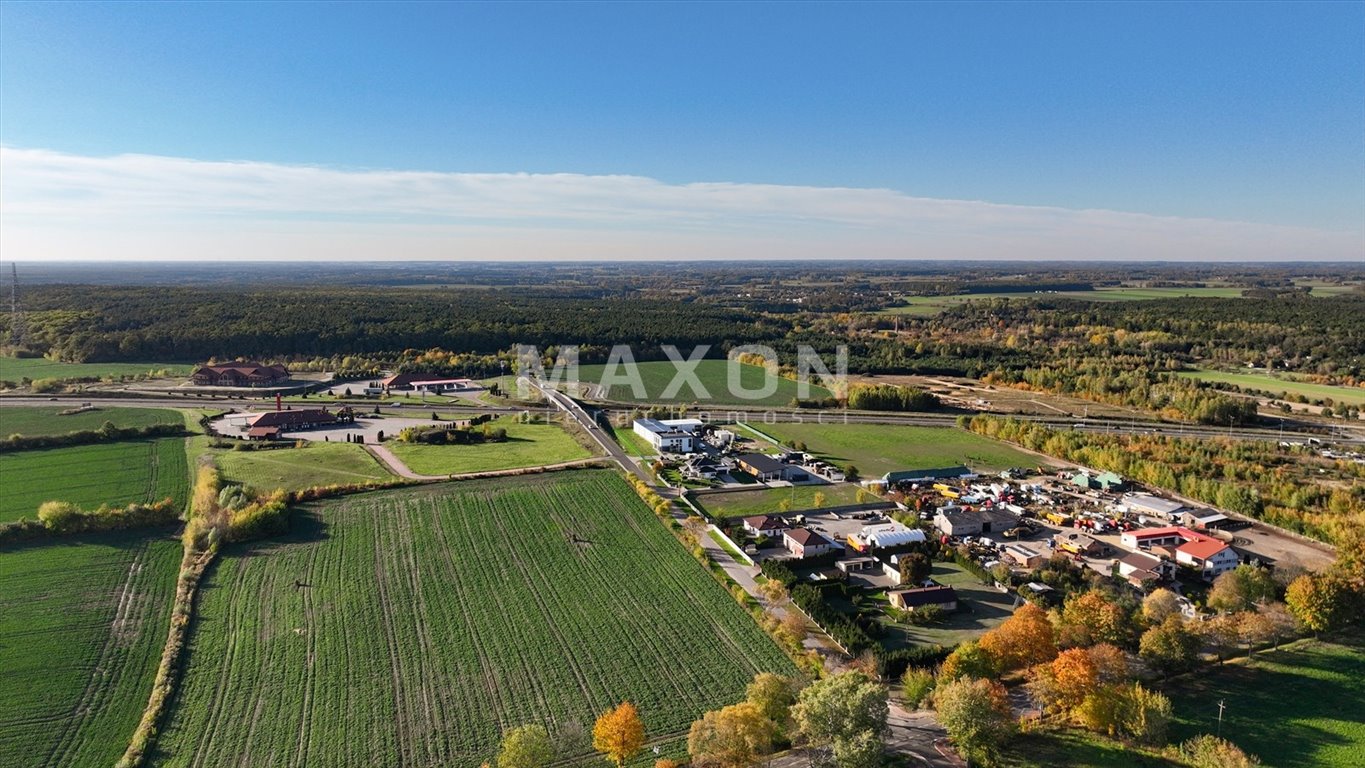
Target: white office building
{"type": "Point", "coordinates": [669, 435]}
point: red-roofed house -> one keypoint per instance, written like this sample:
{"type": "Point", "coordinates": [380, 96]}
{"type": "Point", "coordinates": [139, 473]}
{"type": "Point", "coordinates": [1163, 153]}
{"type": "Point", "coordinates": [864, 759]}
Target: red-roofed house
{"type": "Point", "coordinates": [765, 525]}
{"type": "Point", "coordinates": [803, 542]}
{"type": "Point", "coordinates": [247, 374]}
{"type": "Point", "coordinates": [1158, 537]}
{"type": "Point", "coordinates": [300, 419]}
{"type": "Point", "coordinates": [1210, 556]}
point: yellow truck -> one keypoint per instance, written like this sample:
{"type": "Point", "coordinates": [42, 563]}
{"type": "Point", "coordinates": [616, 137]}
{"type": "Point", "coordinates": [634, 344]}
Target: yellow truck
{"type": "Point", "coordinates": [1059, 518]}
{"type": "Point", "coordinates": [946, 491]}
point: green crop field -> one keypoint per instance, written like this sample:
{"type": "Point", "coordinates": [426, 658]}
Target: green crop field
{"type": "Point", "coordinates": [47, 421]}
{"type": "Point", "coordinates": [295, 468]}
{"type": "Point", "coordinates": [434, 618]}
{"type": "Point", "coordinates": [876, 449]}
{"type": "Point", "coordinates": [764, 501]}
{"type": "Point", "coordinates": [17, 368]}
{"type": "Point", "coordinates": [1299, 706]}
{"type": "Point", "coordinates": [82, 623]}
{"type": "Point", "coordinates": [1275, 385]}
{"type": "Point", "coordinates": [116, 474]}
{"type": "Point", "coordinates": [714, 376]}
{"type": "Point", "coordinates": [527, 445]}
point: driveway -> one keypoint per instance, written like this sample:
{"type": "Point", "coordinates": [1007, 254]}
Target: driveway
{"type": "Point", "coordinates": [914, 734]}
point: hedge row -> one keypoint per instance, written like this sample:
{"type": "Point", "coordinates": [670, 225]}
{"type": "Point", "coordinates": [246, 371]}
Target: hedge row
{"type": "Point", "coordinates": [56, 518]}
{"type": "Point", "coordinates": [105, 434]}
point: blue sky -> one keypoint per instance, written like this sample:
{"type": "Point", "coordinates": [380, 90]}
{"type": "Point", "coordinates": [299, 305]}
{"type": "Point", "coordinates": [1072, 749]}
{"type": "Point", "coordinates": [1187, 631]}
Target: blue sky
{"type": "Point", "coordinates": [1251, 113]}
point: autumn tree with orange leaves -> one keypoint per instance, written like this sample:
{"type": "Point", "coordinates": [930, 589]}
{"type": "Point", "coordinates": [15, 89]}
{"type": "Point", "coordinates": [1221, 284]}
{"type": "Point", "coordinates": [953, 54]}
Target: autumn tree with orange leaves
{"type": "Point", "coordinates": [1093, 618]}
{"type": "Point", "coordinates": [619, 734]}
{"type": "Point", "coordinates": [1062, 685]}
{"type": "Point", "coordinates": [1023, 640]}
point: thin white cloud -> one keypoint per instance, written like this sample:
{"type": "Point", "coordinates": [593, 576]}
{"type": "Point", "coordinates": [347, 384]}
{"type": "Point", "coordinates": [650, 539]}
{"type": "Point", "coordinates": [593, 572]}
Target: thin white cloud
{"type": "Point", "coordinates": [58, 205]}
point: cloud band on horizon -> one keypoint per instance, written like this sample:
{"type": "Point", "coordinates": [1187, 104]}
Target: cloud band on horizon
{"type": "Point", "coordinates": [56, 205]}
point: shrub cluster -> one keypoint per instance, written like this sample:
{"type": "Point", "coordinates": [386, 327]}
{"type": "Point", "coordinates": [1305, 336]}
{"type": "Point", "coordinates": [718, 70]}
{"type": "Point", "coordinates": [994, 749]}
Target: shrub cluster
{"type": "Point", "coordinates": [105, 434]}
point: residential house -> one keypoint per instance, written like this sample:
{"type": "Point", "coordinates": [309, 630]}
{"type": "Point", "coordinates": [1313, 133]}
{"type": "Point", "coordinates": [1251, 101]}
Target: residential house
{"type": "Point", "coordinates": [944, 598]}
{"type": "Point", "coordinates": [1144, 570]}
{"type": "Point", "coordinates": [1209, 556]}
{"type": "Point", "coordinates": [763, 467]}
{"type": "Point", "coordinates": [803, 542]}
{"type": "Point", "coordinates": [765, 525]}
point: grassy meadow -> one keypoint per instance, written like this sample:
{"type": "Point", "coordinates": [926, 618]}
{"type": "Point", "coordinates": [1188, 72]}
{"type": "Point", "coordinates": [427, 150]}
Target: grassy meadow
{"type": "Point", "coordinates": [714, 376]}
{"type": "Point", "coordinates": [762, 501]}
{"type": "Point", "coordinates": [17, 368]}
{"type": "Point", "coordinates": [876, 449]}
{"type": "Point", "coordinates": [435, 618]}
{"type": "Point", "coordinates": [527, 445]}
{"type": "Point", "coordinates": [82, 622]}
{"type": "Point", "coordinates": [294, 468]}
{"type": "Point", "coordinates": [1275, 385]}
{"type": "Point", "coordinates": [116, 474]}
{"type": "Point", "coordinates": [1294, 708]}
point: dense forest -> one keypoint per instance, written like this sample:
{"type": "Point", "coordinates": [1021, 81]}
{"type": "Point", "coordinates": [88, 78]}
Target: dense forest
{"type": "Point", "coordinates": [1119, 352]}
{"type": "Point", "coordinates": [102, 324]}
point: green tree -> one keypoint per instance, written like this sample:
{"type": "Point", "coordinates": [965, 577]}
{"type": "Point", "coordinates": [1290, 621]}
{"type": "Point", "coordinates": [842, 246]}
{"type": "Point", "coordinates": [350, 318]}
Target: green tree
{"type": "Point", "coordinates": [1170, 646]}
{"type": "Point", "coordinates": [864, 749]}
{"type": "Point", "coordinates": [841, 713]}
{"type": "Point", "coordinates": [969, 660]}
{"type": "Point", "coordinates": [915, 568]}
{"type": "Point", "coordinates": [1242, 589]}
{"type": "Point", "coordinates": [1146, 715]}
{"type": "Point", "coordinates": [976, 714]}
{"type": "Point", "coordinates": [1160, 604]}
{"type": "Point", "coordinates": [916, 685]}
{"type": "Point", "coordinates": [526, 746]}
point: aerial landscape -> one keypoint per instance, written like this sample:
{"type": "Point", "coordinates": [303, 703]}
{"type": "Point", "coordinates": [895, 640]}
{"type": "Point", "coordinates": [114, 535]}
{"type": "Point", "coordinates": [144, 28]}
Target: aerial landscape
{"type": "Point", "coordinates": [530, 385]}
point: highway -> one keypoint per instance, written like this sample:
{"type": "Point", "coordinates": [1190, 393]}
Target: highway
{"type": "Point", "coordinates": [730, 413]}
{"type": "Point", "coordinates": [575, 411]}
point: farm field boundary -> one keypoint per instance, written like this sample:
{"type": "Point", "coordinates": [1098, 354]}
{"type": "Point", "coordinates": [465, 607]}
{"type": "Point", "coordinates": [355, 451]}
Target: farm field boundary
{"type": "Point", "coordinates": [448, 613]}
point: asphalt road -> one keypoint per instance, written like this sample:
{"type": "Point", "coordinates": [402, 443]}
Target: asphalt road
{"type": "Point", "coordinates": [1343, 435]}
